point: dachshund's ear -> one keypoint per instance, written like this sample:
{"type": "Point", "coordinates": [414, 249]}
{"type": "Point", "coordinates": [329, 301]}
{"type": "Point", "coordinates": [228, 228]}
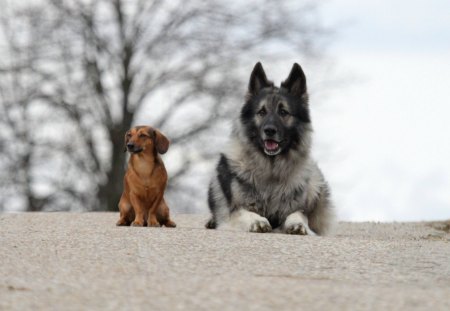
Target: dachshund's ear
{"type": "Point", "coordinates": [161, 142]}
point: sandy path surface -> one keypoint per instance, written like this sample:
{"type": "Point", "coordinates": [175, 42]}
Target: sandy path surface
{"type": "Point", "coordinates": [64, 261]}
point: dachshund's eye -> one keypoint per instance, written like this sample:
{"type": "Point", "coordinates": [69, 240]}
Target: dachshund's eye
{"type": "Point", "coordinates": [128, 135]}
{"type": "Point", "coordinates": [142, 135]}
{"type": "Point", "coordinates": [262, 112]}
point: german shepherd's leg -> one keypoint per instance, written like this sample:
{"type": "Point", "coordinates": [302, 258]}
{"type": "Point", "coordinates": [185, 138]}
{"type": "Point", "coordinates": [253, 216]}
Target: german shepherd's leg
{"type": "Point", "coordinates": [249, 221]}
{"type": "Point", "coordinates": [139, 210]}
{"type": "Point", "coordinates": [322, 216]}
{"type": "Point", "coordinates": [163, 215]}
{"type": "Point", "coordinates": [218, 205]}
{"type": "Point", "coordinates": [126, 211]}
{"type": "Point", "coordinates": [220, 201]}
{"type": "Point", "coordinates": [297, 223]}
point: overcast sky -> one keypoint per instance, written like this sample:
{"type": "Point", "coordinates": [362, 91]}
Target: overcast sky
{"type": "Point", "coordinates": [384, 139]}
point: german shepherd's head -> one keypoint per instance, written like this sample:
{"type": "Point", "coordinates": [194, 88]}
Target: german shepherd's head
{"type": "Point", "coordinates": [276, 120]}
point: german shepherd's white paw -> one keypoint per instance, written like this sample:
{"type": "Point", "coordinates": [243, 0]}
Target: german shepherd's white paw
{"type": "Point", "coordinates": [249, 221]}
{"type": "Point", "coordinates": [262, 226]}
{"type": "Point", "coordinates": [297, 223]}
{"type": "Point", "coordinates": [296, 229]}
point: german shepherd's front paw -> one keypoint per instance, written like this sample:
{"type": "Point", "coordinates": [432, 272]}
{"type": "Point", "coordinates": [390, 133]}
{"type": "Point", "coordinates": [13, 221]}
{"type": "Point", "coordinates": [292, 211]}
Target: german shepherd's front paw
{"type": "Point", "coordinates": [297, 228]}
{"type": "Point", "coordinates": [261, 225]}
{"type": "Point", "coordinates": [297, 223]}
{"type": "Point", "coordinates": [249, 221]}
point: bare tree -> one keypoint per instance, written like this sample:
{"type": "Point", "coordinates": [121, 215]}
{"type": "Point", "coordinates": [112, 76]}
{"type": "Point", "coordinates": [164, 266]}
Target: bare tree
{"type": "Point", "coordinates": [91, 69]}
{"type": "Point", "coordinates": [25, 154]}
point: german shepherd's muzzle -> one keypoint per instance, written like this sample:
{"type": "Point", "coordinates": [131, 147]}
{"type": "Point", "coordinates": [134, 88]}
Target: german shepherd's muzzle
{"type": "Point", "coordinates": [271, 132]}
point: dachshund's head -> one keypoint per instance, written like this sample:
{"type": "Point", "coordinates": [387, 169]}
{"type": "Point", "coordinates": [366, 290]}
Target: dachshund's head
{"type": "Point", "coordinates": [145, 139]}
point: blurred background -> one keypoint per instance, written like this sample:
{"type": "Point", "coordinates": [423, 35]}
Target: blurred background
{"type": "Point", "coordinates": [75, 75]}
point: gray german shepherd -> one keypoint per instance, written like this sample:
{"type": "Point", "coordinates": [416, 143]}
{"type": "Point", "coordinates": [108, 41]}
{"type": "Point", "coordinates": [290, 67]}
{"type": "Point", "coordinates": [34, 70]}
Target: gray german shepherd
{"type": "Point", "coordinates": [266, 179]}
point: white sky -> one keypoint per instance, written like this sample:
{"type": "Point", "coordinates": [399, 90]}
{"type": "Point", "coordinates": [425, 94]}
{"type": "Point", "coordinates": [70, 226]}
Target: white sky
{"type": "Point", "coordinates": [388, 129]}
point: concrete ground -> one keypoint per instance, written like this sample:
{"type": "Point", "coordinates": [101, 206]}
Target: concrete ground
{"type": "Point", "coordinates": [64, 261]}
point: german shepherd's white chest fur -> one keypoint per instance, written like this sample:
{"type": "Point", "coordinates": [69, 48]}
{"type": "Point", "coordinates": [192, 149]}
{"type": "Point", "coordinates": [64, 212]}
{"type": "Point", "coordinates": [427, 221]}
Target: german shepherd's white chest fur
{"type": "Point", "coordinates": [273, 189]}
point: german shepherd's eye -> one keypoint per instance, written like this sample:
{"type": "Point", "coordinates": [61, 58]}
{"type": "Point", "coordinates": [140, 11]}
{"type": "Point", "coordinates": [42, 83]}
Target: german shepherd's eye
{"type": "Point", "coordinates": [283, 112]}
{"type": "Point", "coordinates": [262, 112]}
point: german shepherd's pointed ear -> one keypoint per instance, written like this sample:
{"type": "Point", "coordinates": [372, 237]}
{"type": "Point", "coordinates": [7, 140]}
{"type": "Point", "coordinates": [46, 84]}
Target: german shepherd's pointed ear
{"type": "Point", "coordinates": [296, 81]}
{"type": "Point", "coordinates": [258, 80]}
{"type": "Point", "coordinates": [161, 142]}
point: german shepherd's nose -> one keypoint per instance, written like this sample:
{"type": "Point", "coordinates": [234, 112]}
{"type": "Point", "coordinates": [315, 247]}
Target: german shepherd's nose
{"type": "Point", "coordinates": [270, 130]}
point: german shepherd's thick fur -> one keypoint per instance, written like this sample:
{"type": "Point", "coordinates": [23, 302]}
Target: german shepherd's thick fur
{"type": "Point", "coordinates": [266, 180]}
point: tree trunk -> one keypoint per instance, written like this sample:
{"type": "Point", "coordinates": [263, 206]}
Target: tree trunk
{"type": "Point", "coordinates": [109, 193]}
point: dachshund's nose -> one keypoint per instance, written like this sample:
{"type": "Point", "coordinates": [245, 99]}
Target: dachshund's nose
{"type": "Point", "coordinates": [130, 146]}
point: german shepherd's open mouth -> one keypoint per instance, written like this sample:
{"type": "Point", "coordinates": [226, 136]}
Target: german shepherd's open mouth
{"type": "Point", "coordinates": [272, 147]}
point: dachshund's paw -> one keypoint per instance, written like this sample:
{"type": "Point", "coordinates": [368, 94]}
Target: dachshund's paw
{"type": "Point", "coordinates": [137, 223]}
{"type": "Point", "coordinates": [170, 224]}
{"type": "Point", "coordinates": [122, 222]}
{"type": "Point", "coordinates": [154, 224]}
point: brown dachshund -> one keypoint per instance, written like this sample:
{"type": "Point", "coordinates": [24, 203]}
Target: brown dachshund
{"type": "Point", "coordinates": [142, 202]}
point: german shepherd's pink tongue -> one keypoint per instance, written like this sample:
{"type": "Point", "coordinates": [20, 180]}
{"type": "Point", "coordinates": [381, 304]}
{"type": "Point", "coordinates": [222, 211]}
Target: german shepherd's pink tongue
{"type": "Point", "coordinates": [271, 145]}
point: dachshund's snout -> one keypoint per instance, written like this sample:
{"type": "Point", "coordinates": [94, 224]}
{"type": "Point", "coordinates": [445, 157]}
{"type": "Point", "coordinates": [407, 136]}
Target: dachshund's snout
{"type": "Point", "coordinates": [133, 148]}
